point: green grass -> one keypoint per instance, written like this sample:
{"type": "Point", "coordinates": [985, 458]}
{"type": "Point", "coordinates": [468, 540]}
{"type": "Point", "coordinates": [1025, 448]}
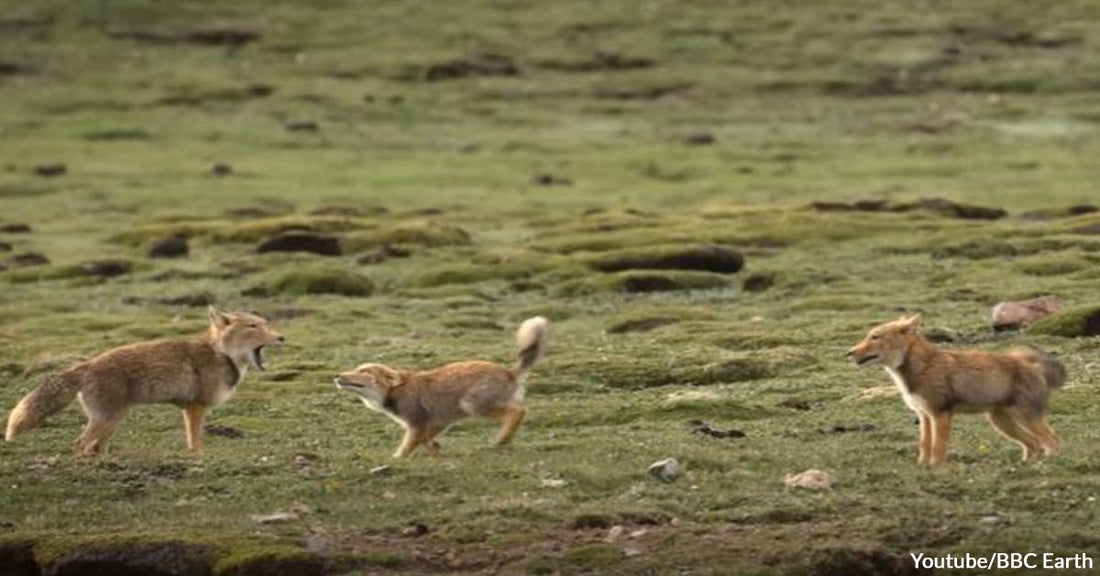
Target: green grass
{"type": "Point", "coordinates": [570, 193]}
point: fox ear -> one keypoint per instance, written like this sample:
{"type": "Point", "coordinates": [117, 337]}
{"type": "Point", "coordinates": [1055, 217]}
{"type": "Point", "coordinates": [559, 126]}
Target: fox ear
{"type": "Point", "coordinates": [910, 324]}
{"type": "Point", "coordinates": [217, 317]}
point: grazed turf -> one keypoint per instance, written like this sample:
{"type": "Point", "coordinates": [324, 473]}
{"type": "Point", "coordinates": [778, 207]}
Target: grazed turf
{"type": "Point", "coordinates": [583, 135]}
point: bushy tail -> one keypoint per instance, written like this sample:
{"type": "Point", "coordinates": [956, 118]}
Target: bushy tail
{"type": "Point", "coordinates": [1052, 369]}
{"type": "Point", "coordinates": [531, 339]}
{"type": "Point", "coordinates": [51, 396]}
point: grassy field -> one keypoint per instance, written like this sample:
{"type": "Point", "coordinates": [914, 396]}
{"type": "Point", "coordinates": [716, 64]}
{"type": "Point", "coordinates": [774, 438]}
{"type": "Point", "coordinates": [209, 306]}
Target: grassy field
{"type": "Point", "coordinates": [528, 157]}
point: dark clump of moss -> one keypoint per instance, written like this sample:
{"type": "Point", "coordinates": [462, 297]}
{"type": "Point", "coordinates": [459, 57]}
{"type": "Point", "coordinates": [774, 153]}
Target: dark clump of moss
{"type": "Point", "coordinates": [644, 324]}
{"type": "Point", "coordinates": [269, 561]}
{"type": "Point", "coordinates": [638, 281]}
{"type": "Point", "coordinates": [317, 281]}
{"type": "Point", "coordinates": [758, 282]}
{"type": "Point", "coordinates": [977, 250]}
{"type": "Point", "coordinates": [17, 558]}
{"type": "Point", "coordinates": [1078, 322]}
{"type": "Point", "coordinates": [589, 521]}
{"type": "Point", "coordinates": [706, 258]}
{"type": "Point", "coordinates": [321, 244]}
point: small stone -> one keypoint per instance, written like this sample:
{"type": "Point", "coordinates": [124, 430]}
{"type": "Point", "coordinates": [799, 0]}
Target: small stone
{"type": "Point", "coordinates": [614, 533]}
{"type": "Point", "coordinates": [639, 533]}
{"type": "Point", "coordinates": [276, 518]}
{"type": "Point", "coordinates": [631, 552]}
{"type": "Point", "coordinates": [378, 470]}
{"type": "Point", "coordinates": [1012, 315]}
{"type": "Point", "coordinates": [700, 139]}
{"type": "Point", "coordinates": [415, 531]}
{"type": "Point", "coordinates": [221, 169]}
{"type": "Point", "coordinates": [169, 247]}
{"type": "Point", "coordinates": [811, 480]}
{"type": "Point", "coordinates": [303, 126]}
{"type": "Point", "coordinates": [991, 519]}
{"type": "Point", "coordinates": [666, 470]}
{"type": "Point", "coordinates": [553, 483]}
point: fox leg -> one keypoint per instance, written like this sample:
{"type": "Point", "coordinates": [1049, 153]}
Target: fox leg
{"type": "Point", "coordinates": [924, 446]}
{"type": "Point", "coordinates": [1008, 427]}
{"type": "Point", "coordinates": [193, 416]}
{"type": "Point", "coordinates": [413, 437]}
{"type": "Point", "coordinates": [941, 431]}
{"type": "Point", "coordinates": [96, 435]}
{"type": "Point", "coordinates": [1042, 431]}
{"type": "Point", "coordinates": [428, 441]}
{"type": "Point", "coordinates": [510, 419]}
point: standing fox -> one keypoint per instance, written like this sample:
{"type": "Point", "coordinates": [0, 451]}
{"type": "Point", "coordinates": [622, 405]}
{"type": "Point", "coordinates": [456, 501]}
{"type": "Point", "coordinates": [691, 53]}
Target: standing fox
{"type": "Point", "coordinates": [427, 403]}
{"type": "Point", "coordinates": [1012, 388]}
{"type": "Point", "coordinates": [194, 375]}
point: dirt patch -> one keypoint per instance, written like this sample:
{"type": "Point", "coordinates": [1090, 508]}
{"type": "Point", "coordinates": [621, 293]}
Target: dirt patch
{"type": "Point", "coordinates": [50, 170]}
{"type": "Point", "coordinates": [546, 179]}
{"type": "Point", "coordinates": [219, 36]}
{"type": "Point", "coordinates": [106, 268]}
{"type": "Point", "coordinates": [348, 211]}
{"type": "Point", "coordinates": [174, 246]}
{"type": "Point", "coordinates": [599, 62]}
{"type": "Point", "coordinates": [941, 206]}
{"type": "Point", "coordinates": [381, 254]}
{"type": "Point", "coordinates": [226, 95]}
{"type": "Point", "coordinates": [485, 64]}
{"type": "Point", "coordinates": [704, 428]}
{"type": "Point", "coordinates": [642, 93]}
{"type": "Point", "coordinates": [24, 260]}
{"type": "Point", "coordinates": [15, 228]}
{"type": "Point", "coordinates": [845, 428]}
{"type": "Point", "coordinates": [319, 244]}
{"type": "Point", "coordinates": [758, 282]}
{"type": "Point", "coordinates": [195, 300]}
{"type": "Point", "coordinates": [703, 258]}
{"type": "Point", "coordinates": [977, 250]}
{"type": "Point", "coordinates": [640, 324]}
{"type": "Point", "coordinates": [302, 126]}
{"type": "Point", "coordinates": [5, 247]}
{"type": "Point", "coordinates": [223, 431]}
{"type": "Point", "coordinates": [700, 139]}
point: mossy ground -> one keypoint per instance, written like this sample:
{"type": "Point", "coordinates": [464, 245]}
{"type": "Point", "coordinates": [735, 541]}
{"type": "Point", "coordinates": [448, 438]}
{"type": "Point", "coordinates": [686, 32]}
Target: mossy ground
{"type": "Point", "coordinates": [504, 188]}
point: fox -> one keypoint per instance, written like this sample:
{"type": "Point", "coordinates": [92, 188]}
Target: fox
{"type": "Point", "coordinates": [426, 403]}
{"type": "Point", "coordinates": [1012, 388]}
{"type": "Point", "coordinates": [194, 375]}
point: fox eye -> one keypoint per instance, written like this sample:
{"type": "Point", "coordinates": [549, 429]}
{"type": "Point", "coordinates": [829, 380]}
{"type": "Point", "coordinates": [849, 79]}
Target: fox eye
{"type": "Point", "coordinates": [253, 325]}
{"type": "Point", "coordinates": [875, 336]}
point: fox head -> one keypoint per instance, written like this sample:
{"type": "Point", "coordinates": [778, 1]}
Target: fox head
{"type": "Point", "coordinates": [887, 343]}
{"type": "Point", "coordinates": [372, 382]}
{"type": "Point", "coordinates": [241, 336]}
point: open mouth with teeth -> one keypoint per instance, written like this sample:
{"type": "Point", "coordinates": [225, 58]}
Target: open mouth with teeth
{"type": "Point", "coordinates": [866, 359]}
{"type": "Point", "coordinates": [257, 358]}
{"type": "Point", "coordinates": [341, 383]}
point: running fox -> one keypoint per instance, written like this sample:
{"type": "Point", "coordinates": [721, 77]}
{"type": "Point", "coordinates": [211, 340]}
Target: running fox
{"type": "Point", "coordinates": [194, 375]}
{"type": "Point", "coordinates": [1011, 388]}
{"type": "Point", "coordinates": [427, 403]}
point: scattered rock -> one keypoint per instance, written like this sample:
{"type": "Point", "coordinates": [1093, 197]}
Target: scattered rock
{"type": "Point", "coordinates": [302, 242]}
{"type": "Point", "coordinates": [105, 268]}
{"type": "Point", "coordinates": [170, 247]}
{"type": "Point", "coordinates": [701, 427]}
{"type": "Point", "coordinates": [303, 126]}
{"type": "Point", "coordinates": [1074, 323]}
{"type": "Point", "coordinates": [380, 470]}
{"type": "Point", "coordinates": [15, 229]}
{"type": "Point", "coordinates": [42, 464]}
{"type": "Point", "coordinates": [631, 552]}
{"type": "Point", "coordinates": [810, 479]}
{"type": "Point", "coordinates": [223, 431]}
{"type": "Point", "coordinates": [545, 179]}
{"type": "Point", "coordinates": [700, 139]}
{"type": "Point", "coordinates": [553, 483]}
{"type": "Point", "coordinates": [991, 519]}
{"type": "Point", "coordinates": [1013, 315]}
{"type": "Point", "coordinates": [614, 533]}
{"type": "Point", "coordinates": [666, 470]}
{"type": "Point", "coordinates": [48, 170]}
{"type": "Point", "coordinates": [485, 64]}
{"type": "Point", "coordinates": [221, 169]}
{"type": "Point", "coordinates": [275, 518]}
{"type": "Point", "coordinates": [844, 428]}
{"type": "Point", "coordinates": [415, 531]}
{"type": "Point", "coordinates": [758, 282]}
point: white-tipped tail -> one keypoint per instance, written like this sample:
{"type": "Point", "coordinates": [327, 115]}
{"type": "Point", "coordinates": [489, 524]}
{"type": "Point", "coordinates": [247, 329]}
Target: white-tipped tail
{"type": "Point", "coordinates": [531, 340]}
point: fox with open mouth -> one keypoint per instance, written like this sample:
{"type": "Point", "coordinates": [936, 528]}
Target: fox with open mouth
{"type": "Point", "coordinates": [194, 375]}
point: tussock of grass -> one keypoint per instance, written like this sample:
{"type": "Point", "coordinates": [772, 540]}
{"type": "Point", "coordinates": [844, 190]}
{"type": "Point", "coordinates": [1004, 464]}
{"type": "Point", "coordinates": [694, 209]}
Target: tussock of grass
{"type": "Point", "coordinates": [706, 258]}
{"type": "Point", "coordinates": [1074, 323]}
{"type": "Point", "coordinates": [317, 280]}
{"type": "Point", "coordinates": [416, 234]}
{"type": "Point", "coordinates": [1052, 265]}
{"type": "Point", "coordinates": [648, 319]}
